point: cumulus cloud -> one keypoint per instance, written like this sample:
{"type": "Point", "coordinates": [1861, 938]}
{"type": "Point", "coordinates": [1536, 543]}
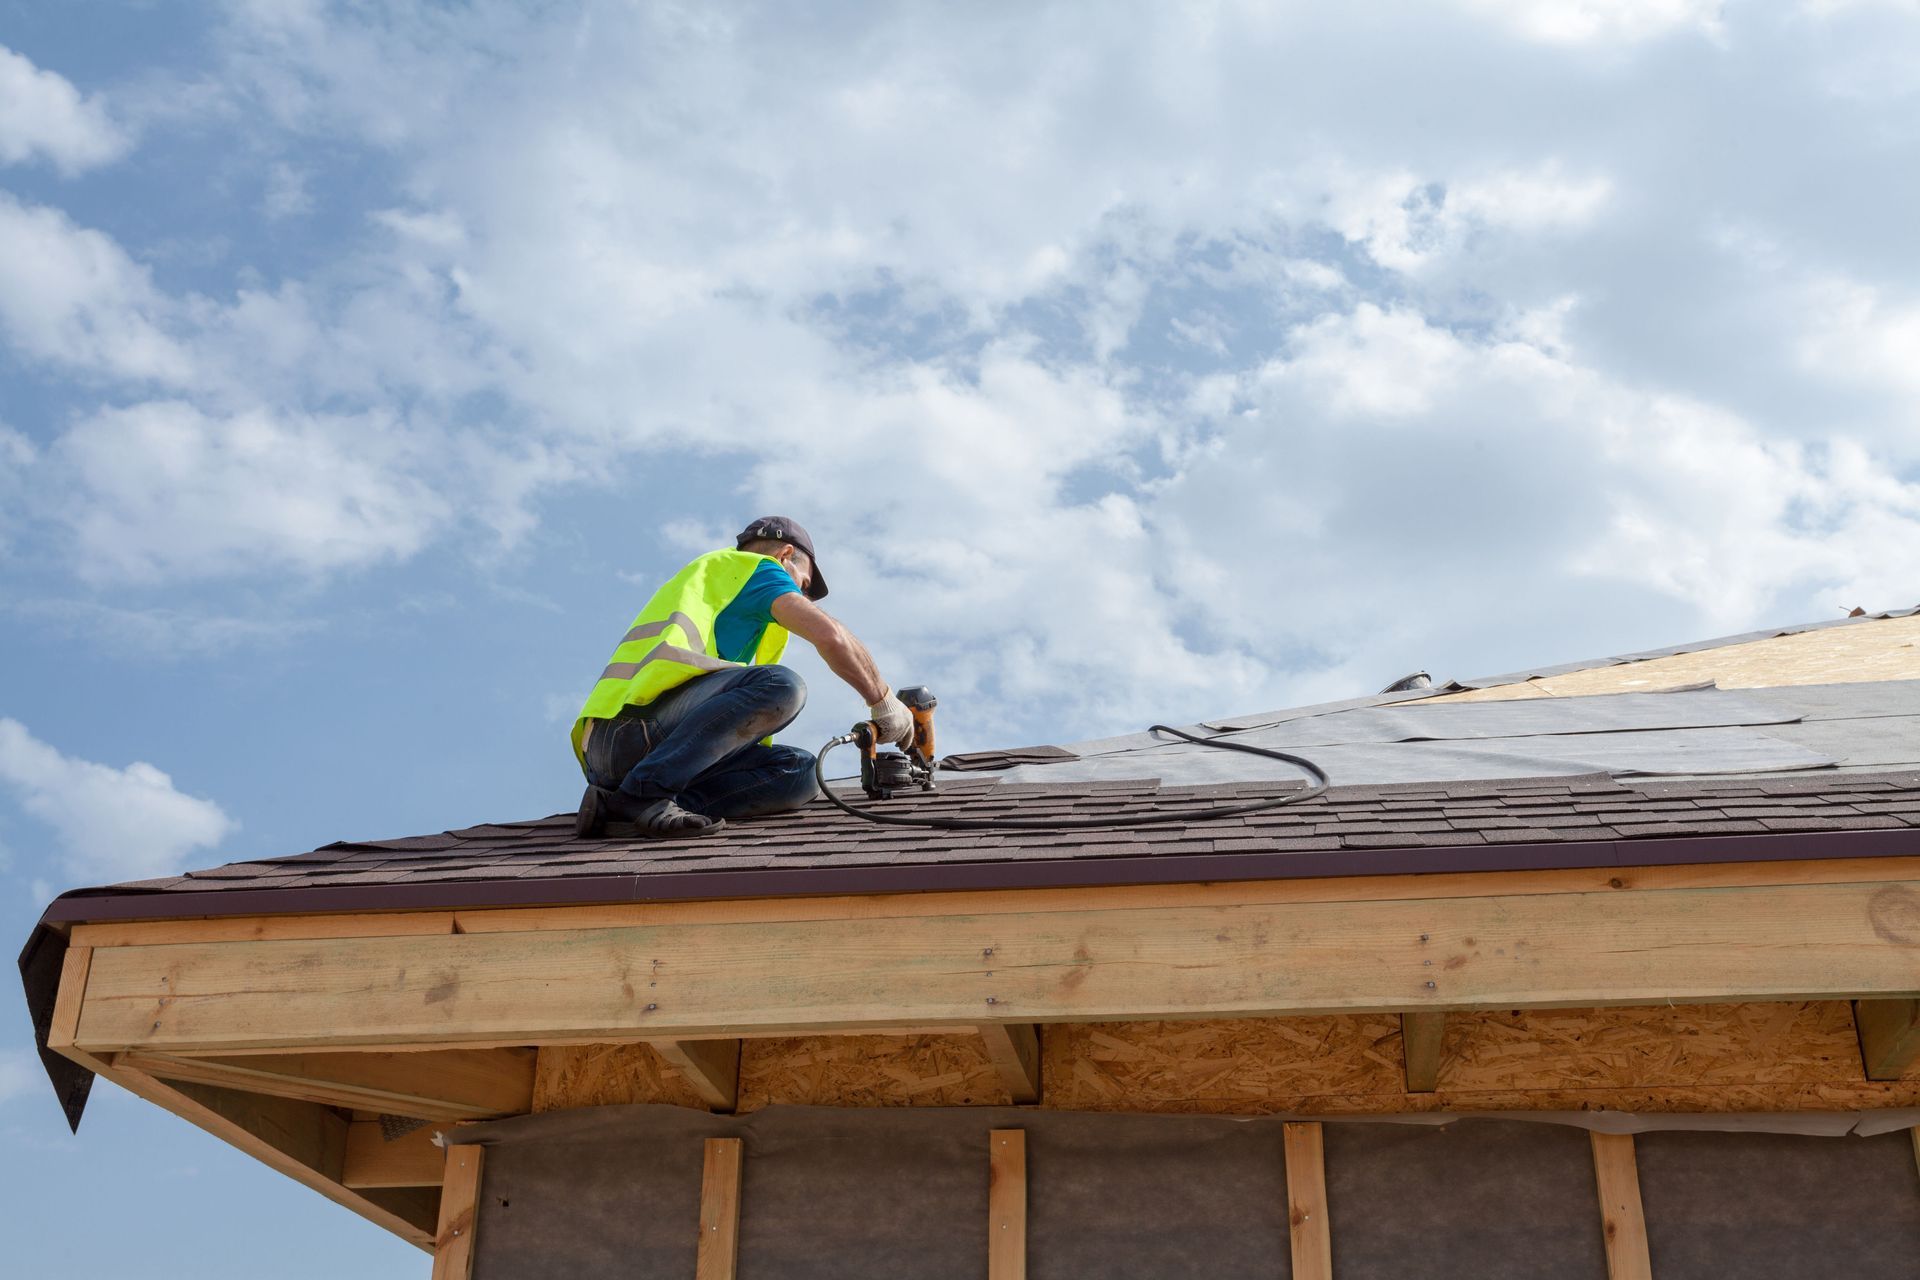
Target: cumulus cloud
{"type": "Point", "coordinates": [1249, 363]}
{"type": "Point", "coordinates": [1537, 490]}
{"type": "Point", "coordinates": [43, 116]}
{"type": "Point", "coordinates": [112, 824]}
{"type": "Point", "coordinates": [73, 296]}
{"type": "Point", "coordinates": [169, 491]}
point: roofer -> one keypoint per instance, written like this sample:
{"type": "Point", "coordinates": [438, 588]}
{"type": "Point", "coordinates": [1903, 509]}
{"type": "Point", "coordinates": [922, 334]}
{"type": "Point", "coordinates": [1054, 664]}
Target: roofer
{"type": "Point", "coordinates": [676, 736]}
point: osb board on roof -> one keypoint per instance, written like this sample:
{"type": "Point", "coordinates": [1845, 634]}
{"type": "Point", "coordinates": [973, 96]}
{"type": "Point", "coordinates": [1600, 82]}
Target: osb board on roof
{"type": "Point", "coordinates": [842, 1071]}
{"type": "Point", "coordinates": [870, 1071]}
{"type": "Point", "coordinates": [1731, 1057]}
{"type": "Point", "coordinates": [1883, 649]}
{"type": "Point", "coordinates": [602, 1075]}
{"type": "Point", "coordinates": [1734, 1057]}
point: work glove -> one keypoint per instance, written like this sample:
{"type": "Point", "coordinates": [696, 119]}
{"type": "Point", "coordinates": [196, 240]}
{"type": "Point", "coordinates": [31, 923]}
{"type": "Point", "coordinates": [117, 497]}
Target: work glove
{"type": "Point", "coordinates": [893, 721]}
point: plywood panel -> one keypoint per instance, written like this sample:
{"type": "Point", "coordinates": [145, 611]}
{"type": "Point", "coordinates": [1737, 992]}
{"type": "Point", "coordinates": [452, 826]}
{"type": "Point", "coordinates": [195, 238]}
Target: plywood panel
{"type": "Point", "coordinates": [1742, 1057]}
{"type": "Point", "coordinates": [870, 1071]}
{"type": "Point", "coordinates": [1885, 649]}
{"type": "Point", "coordinates": [605, 1075]}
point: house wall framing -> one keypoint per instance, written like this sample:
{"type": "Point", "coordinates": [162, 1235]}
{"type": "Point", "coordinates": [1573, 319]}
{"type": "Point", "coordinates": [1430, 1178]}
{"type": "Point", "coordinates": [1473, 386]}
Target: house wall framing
{"type": "Point", "coordinates": [1723, 987]}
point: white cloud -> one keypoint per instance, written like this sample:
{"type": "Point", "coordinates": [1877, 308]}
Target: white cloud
{"type": "Point", "coordinates": [163, 490]}
{"type": "Point", "coordinates": [1855, 331]}
{"type": "Point", "coordinates": [113, 824]}
{"type": "Point", "coordinates": [43, 115]}
{"type": "Point", "coordinates": [1576, 22]}
{"type": "Point", "coordinates": [1376, 494]}
{"type": "Point", "coordinates": [72, 296]}
{"type": "Point", "coordinates": [1406, 223]}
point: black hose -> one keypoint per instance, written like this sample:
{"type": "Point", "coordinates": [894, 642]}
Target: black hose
{"type": "Point", "coordinates": [1087, 824]}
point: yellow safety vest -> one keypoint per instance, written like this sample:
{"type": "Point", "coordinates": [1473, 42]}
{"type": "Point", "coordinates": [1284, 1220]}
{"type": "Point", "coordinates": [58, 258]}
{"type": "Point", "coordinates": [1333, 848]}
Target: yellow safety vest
{"type": "Point", "coordinates": [672, 640]}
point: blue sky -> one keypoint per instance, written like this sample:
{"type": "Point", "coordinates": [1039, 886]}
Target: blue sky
{"type": "Point", "coordinates": [363, 365]}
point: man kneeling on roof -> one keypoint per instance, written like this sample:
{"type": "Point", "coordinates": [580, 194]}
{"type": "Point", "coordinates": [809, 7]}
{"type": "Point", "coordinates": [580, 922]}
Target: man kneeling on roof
{"type": "Point", "coordinates": [676, 736]}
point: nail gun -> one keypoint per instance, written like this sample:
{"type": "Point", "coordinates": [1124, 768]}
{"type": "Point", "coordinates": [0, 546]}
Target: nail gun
{"type": "Point", "coordinates": [884, 772]}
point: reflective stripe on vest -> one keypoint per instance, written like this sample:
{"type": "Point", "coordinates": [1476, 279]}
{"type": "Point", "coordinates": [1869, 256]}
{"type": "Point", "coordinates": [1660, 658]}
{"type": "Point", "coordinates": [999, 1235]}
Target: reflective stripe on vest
{"type": "Point", "coordinates": [648, 662]}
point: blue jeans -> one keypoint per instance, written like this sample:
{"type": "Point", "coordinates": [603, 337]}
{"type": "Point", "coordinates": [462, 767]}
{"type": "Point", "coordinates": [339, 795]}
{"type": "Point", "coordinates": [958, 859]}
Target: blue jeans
{"type": "Point", "coordinates": [699, 743]}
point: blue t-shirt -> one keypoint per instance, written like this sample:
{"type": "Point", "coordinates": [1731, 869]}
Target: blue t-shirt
{"type": "Point", "coordinates": [737, 632]}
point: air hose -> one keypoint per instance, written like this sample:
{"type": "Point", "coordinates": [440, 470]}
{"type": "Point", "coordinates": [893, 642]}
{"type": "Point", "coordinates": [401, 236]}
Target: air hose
{"type": "Point", "coordinates": [1091, 824]}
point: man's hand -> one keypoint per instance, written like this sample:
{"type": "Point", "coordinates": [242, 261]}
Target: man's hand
{"type": "Point", "coordinates": [895, 723]}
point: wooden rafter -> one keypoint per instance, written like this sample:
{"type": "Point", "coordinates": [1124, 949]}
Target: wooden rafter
{"type": "Point", "coordinates": [449, 1085]}
{"type": "Point", "coordinates": [1791, 941]}
{"type": "Point", "coordinates": [1014, 1049]}
{"type": "Point", "coordinates": [710, 1067]}
{"type": "Point", "coordinates": [1421, 1035]}
{"type": "Point", "coordinates": [1889, 1036]}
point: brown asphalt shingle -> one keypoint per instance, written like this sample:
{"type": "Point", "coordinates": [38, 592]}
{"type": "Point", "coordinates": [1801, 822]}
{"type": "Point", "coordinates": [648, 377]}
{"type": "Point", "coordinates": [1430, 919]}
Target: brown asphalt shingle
{"type": "Point", "coordinates": [1343, 832]}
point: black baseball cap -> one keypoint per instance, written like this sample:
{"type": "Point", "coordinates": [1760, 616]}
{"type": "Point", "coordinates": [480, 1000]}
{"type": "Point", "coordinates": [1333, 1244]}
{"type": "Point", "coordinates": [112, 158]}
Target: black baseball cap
{"type": "Point", "coordinates": [781, 529]}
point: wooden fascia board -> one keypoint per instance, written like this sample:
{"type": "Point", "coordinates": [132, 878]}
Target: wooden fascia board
{"type": "Point", "coordinates": [883, 906]}
{"type": "Point", "coordinates": [703, 980]}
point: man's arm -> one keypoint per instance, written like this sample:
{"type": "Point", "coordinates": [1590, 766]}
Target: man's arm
{"type": "Point", "coordinates": [844, 655]}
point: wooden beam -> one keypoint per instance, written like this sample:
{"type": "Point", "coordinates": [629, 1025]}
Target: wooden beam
{"type": "Point", "coordinates": [710, 1067]}
{"type": "Point", "coordinates": [1604, 880]}
{"type": "Point", "coordinates": [373, 924]}
{"type": "Point", "coordinates": [303, 1140]}
{"type": "Point", "coordinates": [1621, 1220]}
{"type": "Point", "coordinates": [459, 1207]}
{"type": "Point", "coordinates": [412, 1160]}
{"type": "Point", "coordinates": [1889, 1036]}
{"type": "Point", "coordinates": [1014, 1048]}
{"type": "Point", "coordinates": [1007, 1204]}
{"type": "Point", "coordinates": [1826, 941]}
{"type": "Point", "coordinates": [449, 1085]}
{"type": "Point", "coordinates": [719, 1252]}
{"type": "Point", "coordinates": [1421, 1035]}
{"type": "Point", "coordinates": [298, 1139]}
{"type": "Point", "coordinates": [1308, 1225]}
{"type": "Point", "coordinates": [68, 999]}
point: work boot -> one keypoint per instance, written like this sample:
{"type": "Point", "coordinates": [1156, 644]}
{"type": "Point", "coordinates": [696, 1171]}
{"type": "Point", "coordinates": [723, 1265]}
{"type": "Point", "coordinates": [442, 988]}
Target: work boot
{"type": "Point", "coordinates": [659, 819]}
{"type": "Point", "coordinates": [590, 823]}
{"type": "Point", "coordinates": [663, 819]}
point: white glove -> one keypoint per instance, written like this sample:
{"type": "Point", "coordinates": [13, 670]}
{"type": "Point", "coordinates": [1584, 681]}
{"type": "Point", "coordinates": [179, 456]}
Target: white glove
{"type": "Point", "coordinates": [894, 722]}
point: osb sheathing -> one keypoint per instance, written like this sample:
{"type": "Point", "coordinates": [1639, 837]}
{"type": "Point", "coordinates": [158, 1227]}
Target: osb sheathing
{"type": "Point", "coordinates": [600, 1075]}
{"type": "Point", "coordinates": [1884, 649]}
{"type": "Point", "coordinates": [1735, 1057]}
{"type": "Point", "coordinates": [843, 1071]}
{"type": "Point", "coordinates": [870, 1071]}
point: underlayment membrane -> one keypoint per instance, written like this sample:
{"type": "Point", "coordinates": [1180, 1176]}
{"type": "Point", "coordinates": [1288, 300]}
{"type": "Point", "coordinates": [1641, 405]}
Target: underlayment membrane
{"type": "Point", "coordinates": [1699, 732]}
{"type": "Point", "coordinates": [902, 1192]}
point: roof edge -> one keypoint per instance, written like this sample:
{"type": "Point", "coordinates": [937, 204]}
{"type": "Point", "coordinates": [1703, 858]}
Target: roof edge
{"type": "Point", "coordinates": [1148, 869]}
